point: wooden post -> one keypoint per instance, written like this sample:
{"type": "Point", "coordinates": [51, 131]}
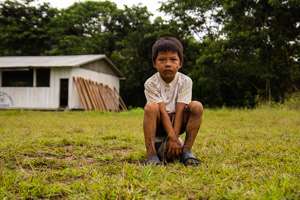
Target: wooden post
{"type": "Point", "coordinates": [82, 85]}
{"type": "Point", "coordinates": [121, 100]}
{"type": "Point", "coordinates": [98, 96]}
{"type": "Point", "coordinates": [90, 94]}
{"type": "Point", "coordinates": [114, 99]}
{"type": "Point", "coordinates": [80, 94]}
{"type": "Point", "coordinates": [110, 98]}
{"type": "Point", "coordinates": [107, 97]}
{"type": "Point", "coordinates": [102, 97]}
{"type": "Point", "coordinates": [93, 95]}
{"type": "Point", "coordinates": [99, 100]}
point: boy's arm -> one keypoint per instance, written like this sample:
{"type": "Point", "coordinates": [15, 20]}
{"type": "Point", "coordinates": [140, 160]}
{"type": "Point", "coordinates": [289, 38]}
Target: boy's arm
{"type": "Point", "coordinates": [174, 147]}
{"type": "Point", "coordinates": [165, 119]}
{"type": "Point", "coordinates": [184, 98]}
{"type": "Point", "coordinates": [178, 117]}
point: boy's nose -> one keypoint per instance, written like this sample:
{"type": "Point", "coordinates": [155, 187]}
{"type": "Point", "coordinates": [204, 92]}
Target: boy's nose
{"type": "Point", "coordinates": [168, 63]}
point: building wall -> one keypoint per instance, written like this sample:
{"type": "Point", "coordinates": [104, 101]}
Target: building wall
{"type": "Point", "coordinates": [25, 97]}
{"type": "Point", "coordinates": [48, 97]}
{"type": "Point", "coordinates": [35, 97]}
{"type": "Point", "coordinates": [99, 66]}
{"type": "Point", "coordinates": [55, 76]}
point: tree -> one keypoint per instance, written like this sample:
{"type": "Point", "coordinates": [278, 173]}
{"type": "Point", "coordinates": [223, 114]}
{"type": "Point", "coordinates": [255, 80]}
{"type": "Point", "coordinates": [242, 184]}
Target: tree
{"type": "Point", "coordinates": [251, 48]}
{"type": "Point", "coordinates": [85, 28]}
{"type": "Point", "coordinates": [24, 28]}
{"type": "Point", "coordinates": [235, 51]}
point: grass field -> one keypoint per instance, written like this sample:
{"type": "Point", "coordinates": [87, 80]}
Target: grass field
{"type": "Point", "coordinates": [245, 154]}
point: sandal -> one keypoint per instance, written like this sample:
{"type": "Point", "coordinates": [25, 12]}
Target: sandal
{"type": "Point", "coordinates": [189, 155]}
{"type": "Point", "coordinates": [153, 160]}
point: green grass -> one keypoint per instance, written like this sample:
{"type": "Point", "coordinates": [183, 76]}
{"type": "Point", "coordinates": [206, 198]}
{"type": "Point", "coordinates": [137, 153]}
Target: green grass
{"type": "Point", "coordinates": [245, 154]}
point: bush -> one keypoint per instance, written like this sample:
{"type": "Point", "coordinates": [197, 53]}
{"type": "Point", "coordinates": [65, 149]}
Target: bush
{"type": "Point", "coordinates": [292, 102]}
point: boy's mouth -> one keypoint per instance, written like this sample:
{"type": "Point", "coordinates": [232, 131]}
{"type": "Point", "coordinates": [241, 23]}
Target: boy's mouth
{"type": "Point", "coordinates": [168, 71]}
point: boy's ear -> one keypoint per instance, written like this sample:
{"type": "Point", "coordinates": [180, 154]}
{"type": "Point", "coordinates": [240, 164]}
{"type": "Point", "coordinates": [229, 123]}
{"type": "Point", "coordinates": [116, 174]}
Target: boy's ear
{"type": "Point", "coordinates": [180, 64]}
{"type": "Point", "coordinates": [154, 64]}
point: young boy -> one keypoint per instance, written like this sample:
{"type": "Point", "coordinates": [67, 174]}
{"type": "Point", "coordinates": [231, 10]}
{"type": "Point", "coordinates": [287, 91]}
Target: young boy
{"type": "Point", "coordinates": [169, 110]}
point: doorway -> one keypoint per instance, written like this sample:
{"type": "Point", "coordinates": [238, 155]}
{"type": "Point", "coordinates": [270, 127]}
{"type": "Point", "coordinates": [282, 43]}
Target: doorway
{"type": "Point", "coordinates": [64, 93]}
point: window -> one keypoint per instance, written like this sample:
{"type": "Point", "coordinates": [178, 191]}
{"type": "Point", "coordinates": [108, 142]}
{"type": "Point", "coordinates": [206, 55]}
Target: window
{"type": "Point", "coordinates": [43, 77]}
{"type": "Point", "coordinates": [17, 78]}
{"type": "Point", "coordinates": [24, 78]}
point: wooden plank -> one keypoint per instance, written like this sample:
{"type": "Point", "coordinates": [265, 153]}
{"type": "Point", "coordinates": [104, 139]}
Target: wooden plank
{"type": "Point", "coordinates": [102, 97]}
{"type": "Point", "coordinates": [92, 86]}
{"type": "Point", "coordinates": [110, 98]}
{"type": "Point", "coordinates": [80, 94]}
{"type": "Point", "coordinates": [103, 106]}
{"type": "Point", "coordinates": [97, 96]}
{"type": "Point", "coordinates": [109, 106]}
{"type": "Point", "coordinates": [83, 88]}
{"type": "Point", "coordinates": [114, 99]}
{"type": "Point", "coordinates": [107, 98]}
{"type": "Point", "coordinates": [89, 94]}
{"type": "Point", "coordinates": [93, 94]}
{"type": "Point", "coordinates": [121, 100]}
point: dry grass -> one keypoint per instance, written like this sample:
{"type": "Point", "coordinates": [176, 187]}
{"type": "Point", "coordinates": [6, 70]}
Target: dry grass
{"type": "Point", "coordinates": [246, 154]}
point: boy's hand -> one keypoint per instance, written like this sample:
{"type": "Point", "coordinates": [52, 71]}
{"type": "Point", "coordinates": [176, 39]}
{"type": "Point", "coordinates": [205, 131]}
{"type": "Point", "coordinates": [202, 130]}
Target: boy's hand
{"type": "Point", "coordinates": [174, 148]}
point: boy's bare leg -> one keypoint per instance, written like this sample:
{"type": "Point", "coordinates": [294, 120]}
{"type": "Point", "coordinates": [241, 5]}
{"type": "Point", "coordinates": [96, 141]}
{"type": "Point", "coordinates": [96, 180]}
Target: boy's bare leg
{"type": "Point", "coordinates": [194, 119]}
{"type": "Point", "coordinates": [151, 119]}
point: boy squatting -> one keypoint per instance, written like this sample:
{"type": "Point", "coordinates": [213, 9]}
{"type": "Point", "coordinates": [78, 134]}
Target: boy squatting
{"type": "Point", "coordinates": [169, 110]}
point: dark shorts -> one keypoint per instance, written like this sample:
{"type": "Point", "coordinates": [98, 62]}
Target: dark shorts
{"type": "Point", "coordinates": [160, 131]}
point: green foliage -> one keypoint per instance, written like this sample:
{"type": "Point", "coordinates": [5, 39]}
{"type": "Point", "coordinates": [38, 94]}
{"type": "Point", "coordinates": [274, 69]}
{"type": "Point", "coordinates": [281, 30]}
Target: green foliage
{"type": "Point", "coordinates": [292, 102]}
{"type": "Point", "coordinates": [245, 154]}
{"type": "Point", "coordinates": [250, 49]}
{"type": "Point", "coordinates": [84, 28]}
{"type": "Point", "coordinates": [238, 53]}
{"type": "Point", "coordinates": [23, 26]}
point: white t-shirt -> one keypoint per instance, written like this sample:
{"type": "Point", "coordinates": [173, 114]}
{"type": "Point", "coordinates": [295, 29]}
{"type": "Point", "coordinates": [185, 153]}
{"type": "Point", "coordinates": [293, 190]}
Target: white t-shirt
{"type": "Point", "coordinates": [179, 90]}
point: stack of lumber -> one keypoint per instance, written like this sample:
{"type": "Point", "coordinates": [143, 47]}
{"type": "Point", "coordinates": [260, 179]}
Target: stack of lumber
{"type": "Point", "coordinates": [96, 96]}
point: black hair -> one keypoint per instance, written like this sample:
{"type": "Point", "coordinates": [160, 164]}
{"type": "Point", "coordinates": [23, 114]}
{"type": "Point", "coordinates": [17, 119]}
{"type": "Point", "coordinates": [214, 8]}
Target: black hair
{"type": "Point", "coordinates": [167, 44]}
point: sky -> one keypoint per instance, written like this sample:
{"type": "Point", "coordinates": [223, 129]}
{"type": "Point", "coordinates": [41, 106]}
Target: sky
{"type": "Point", "coordinates": [152, 5]}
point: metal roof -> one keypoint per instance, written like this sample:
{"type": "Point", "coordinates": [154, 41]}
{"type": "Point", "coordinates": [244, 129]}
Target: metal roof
{"type": "Point", "coordinates": [7, 62]}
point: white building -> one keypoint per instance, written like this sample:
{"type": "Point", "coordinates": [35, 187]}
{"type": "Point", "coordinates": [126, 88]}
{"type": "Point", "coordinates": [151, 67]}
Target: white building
{"type": "Point", "coordinates": [46, 82]}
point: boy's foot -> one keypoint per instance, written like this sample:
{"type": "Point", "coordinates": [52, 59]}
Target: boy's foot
{"type": "Point", "coordinates": [153, 160]}
{"type": "Point", "coordinates": [188, 158]}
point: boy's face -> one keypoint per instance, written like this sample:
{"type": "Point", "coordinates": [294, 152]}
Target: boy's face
{"type": "Point", "coordinates": [167, 64]}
